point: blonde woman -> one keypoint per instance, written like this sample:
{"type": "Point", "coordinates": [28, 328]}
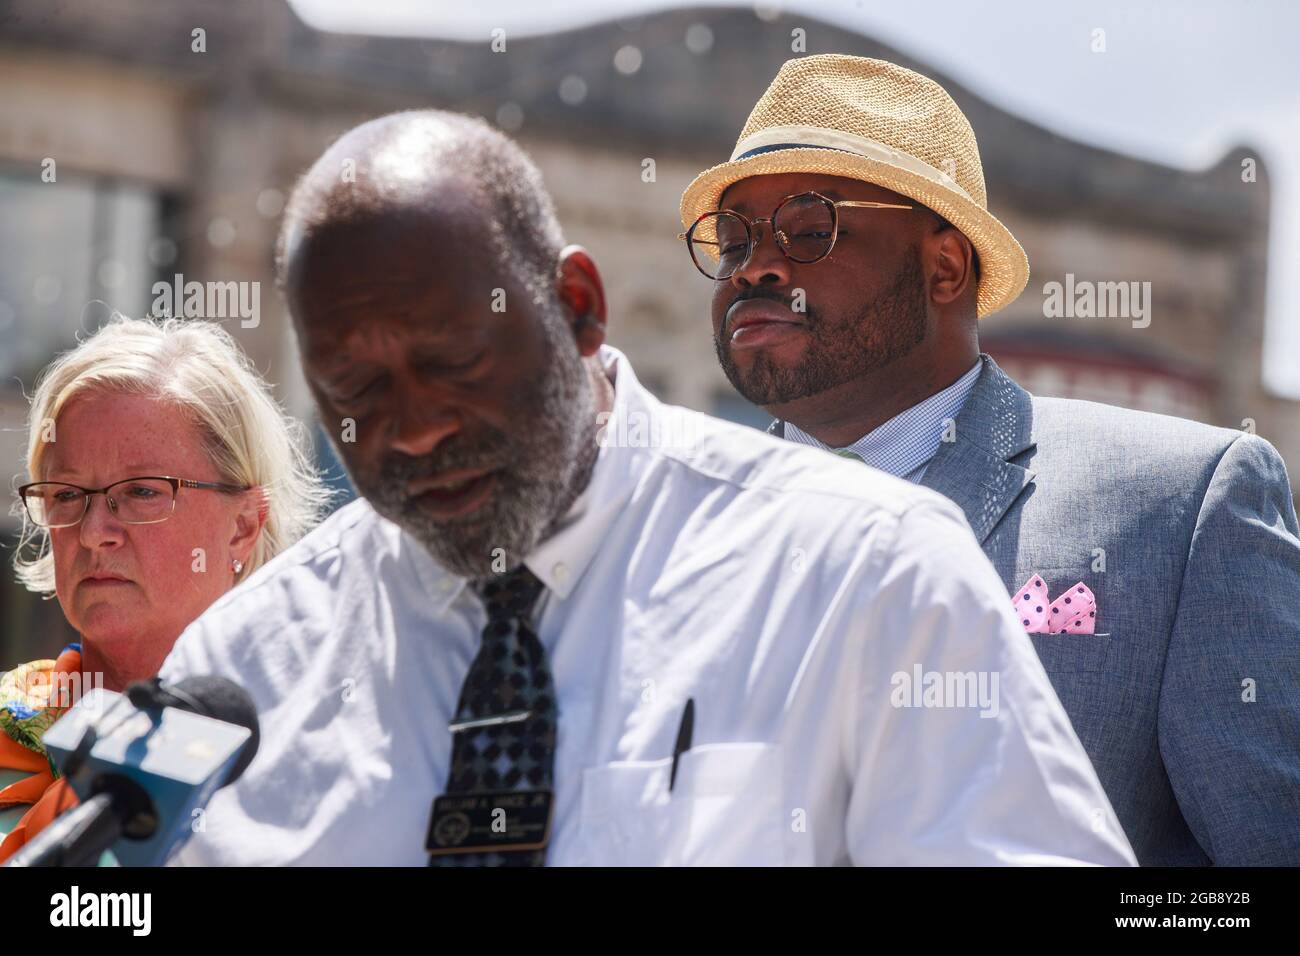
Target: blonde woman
{"type": "Point", "coordinates": [161, 473]}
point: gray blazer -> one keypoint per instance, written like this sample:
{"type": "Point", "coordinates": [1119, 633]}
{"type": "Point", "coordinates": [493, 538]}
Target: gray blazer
{"type": "Point", "coordinates": [1187, 698]}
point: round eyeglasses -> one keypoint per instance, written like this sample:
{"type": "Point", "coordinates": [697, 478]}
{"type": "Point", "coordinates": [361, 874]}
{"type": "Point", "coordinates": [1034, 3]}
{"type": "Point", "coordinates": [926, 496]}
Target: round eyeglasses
{"type": "Point", "coordinates": [147, 500]}
{"type": "Point", "coordinates": [804, 225]}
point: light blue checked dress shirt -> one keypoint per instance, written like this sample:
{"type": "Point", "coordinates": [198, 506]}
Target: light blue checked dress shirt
{"type": "Point", "coordinates": [904, 445]}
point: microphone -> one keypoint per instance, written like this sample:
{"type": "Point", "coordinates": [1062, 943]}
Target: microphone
{"type": "Point", "coordinates": [141, 777]}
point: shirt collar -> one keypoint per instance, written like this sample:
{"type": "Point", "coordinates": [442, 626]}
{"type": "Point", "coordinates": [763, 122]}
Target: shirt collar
{"type": "Point", "coordinates": [562, 558]}
{"type": "Point", "coordinates": [907, 441]}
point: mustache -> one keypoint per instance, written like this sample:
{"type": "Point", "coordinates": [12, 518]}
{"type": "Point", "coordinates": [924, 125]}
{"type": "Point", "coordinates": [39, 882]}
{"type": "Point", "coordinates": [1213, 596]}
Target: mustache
{"type": "Point", "coordinates": [771, 295]}
{"type": "Point", "coordinates": [490, 452]}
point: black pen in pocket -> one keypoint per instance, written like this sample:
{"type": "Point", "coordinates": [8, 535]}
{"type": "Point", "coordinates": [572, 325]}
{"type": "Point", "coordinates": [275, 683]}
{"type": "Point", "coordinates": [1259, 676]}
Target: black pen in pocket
{"type": "Point", "coordinates": [683, 739]}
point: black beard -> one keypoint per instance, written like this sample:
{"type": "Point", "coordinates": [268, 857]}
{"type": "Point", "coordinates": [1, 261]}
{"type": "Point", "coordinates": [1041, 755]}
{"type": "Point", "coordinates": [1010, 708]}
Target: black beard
{"type": "Point", "coordinates": [884, 329]}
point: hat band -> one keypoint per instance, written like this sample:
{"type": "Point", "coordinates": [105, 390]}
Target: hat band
{"type": "Point", "coordinates": [817, 137]}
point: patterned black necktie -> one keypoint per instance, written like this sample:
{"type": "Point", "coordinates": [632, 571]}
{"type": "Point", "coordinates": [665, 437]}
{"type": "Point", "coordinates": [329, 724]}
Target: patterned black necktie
{"type": "Point", "coordinates": [509, 678]}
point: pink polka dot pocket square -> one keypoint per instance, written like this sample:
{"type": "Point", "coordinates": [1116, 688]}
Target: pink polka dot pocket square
{"type": "Point", "coordinates": [1074, 612]}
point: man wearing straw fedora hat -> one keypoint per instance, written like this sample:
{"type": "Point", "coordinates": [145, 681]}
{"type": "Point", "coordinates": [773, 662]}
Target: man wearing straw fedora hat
{"type": "Point", "coordinates": [1154, 561]}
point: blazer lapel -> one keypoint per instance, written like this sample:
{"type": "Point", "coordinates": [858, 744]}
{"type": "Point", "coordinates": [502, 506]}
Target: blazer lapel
{"type": "Point", "coordinates": [976, 471]}
{"type": "Point", "coordinates": [994, 426]}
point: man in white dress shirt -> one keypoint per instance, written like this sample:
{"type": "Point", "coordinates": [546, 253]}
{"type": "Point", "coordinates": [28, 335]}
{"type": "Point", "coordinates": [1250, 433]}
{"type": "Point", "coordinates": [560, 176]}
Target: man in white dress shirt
{"type": "Point", "coordinates": [567, 624]}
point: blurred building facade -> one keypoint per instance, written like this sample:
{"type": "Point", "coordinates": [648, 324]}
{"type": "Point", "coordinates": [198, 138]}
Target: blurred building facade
{"type": "Point", "coordinates": [143, 141]}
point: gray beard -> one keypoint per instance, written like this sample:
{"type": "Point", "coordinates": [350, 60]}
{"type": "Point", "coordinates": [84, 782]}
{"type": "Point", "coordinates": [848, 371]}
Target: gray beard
{"type": "Point", "coordinates": [544, 465]}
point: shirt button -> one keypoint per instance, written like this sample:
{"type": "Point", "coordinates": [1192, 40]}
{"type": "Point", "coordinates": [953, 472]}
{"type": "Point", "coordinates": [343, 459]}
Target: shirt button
{"type": "Point", "coordinates": [561, 572]}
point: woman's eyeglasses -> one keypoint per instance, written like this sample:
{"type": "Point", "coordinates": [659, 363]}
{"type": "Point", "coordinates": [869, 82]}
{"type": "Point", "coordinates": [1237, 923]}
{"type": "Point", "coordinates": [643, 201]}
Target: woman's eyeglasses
{"type": "Point", "coordinates": [147, 500]}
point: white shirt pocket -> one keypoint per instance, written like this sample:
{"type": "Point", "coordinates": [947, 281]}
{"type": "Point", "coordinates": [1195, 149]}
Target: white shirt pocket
{"type": "Point", "coordinates": [726, 809]}
{"type": "Point", "coordinates": [625, 813]}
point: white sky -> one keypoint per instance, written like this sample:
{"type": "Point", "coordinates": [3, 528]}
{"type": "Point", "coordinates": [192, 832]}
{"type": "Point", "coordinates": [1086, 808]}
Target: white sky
{"type": "Point", "coordinates": [1180, 82]}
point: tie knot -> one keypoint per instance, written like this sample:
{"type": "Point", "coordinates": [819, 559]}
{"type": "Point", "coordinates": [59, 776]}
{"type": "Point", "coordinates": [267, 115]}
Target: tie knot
{"type": "Point", "coordinates": [851, 455]}
{"type": "Point", "coordinates": [512, 594]}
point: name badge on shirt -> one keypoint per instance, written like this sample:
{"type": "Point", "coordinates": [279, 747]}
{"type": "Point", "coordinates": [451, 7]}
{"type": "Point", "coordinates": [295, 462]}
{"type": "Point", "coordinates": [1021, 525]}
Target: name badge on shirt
{"type": "Point", "coordinates": [492, 820]}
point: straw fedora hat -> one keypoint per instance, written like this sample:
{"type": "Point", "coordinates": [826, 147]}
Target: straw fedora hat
{"type": "Point", "coordinates": [875, 121]}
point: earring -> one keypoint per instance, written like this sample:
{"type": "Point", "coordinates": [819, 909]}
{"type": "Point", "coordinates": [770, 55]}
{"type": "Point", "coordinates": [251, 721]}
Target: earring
{"type": "Point", "coordinates": [236, 565]}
